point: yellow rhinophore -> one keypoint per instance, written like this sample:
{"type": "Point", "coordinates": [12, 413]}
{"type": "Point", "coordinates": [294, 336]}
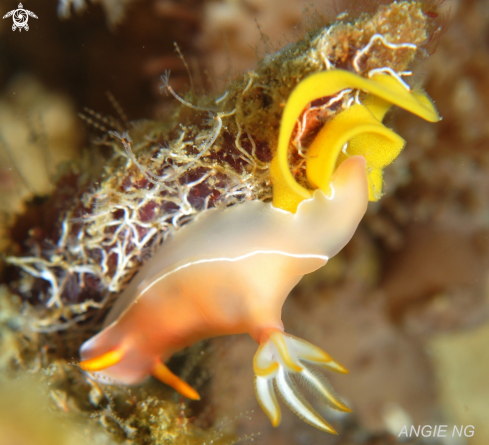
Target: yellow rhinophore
{"type": "Point", "coordinates": [358, 130]}
{"type": "Point", "coordinates": [103, 361]}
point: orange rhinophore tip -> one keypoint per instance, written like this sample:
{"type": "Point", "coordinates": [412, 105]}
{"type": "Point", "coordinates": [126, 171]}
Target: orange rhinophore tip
{"type": "Point", "coordinates": [162, 373]}
{"type": "Point", "coordinates": [103, 361]}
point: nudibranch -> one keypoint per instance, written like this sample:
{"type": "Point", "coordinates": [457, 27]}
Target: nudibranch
{"type": "Point", "coordinates": [229, 271]}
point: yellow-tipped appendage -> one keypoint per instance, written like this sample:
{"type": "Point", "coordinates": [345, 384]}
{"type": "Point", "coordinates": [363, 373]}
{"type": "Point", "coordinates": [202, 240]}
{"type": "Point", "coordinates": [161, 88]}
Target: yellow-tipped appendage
{"type": "Point", "coordinates": [278, 340]}
{"type": "Point", "coordinates": [103, 361]}
{"type": "Point", "coordinates": [159, 371]}
{"type": "Point", "coordinates": [162, 373]}
{"type": "Point", "coordinates": [356, 130]}
{"type": "Point", "coordinates": [281, 356]}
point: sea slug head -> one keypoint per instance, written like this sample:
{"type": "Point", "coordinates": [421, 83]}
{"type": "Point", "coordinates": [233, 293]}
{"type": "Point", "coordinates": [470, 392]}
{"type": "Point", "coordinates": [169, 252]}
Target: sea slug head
{"type": "Point", "coordinates": [356, 130]}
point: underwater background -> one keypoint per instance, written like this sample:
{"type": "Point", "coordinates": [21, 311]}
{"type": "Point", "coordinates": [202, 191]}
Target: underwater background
{"type": "Point", "coordinates": [404, 306]}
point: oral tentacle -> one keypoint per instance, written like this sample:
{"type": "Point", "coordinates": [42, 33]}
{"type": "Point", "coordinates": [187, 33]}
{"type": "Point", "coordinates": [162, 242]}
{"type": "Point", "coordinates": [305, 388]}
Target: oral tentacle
{"type": "Point", "coordinates": [162, 373]}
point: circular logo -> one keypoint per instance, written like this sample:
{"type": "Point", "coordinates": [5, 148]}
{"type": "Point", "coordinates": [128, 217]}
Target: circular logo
{"type": "Point", "coordinates": [20, 18]}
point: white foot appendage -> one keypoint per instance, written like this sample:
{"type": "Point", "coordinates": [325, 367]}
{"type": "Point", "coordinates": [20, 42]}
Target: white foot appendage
{"type": "Point", "coordinates": [283, 355]}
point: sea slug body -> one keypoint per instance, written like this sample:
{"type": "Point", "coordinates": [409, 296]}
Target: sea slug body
{"type": "Point", "coordinates": [230, 271]}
